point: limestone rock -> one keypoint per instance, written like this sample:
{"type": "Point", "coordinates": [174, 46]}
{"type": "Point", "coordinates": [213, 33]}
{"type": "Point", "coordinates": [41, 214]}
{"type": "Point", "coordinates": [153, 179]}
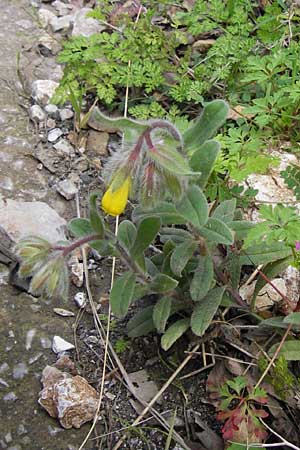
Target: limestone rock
{"type": "Point", "coordinates": [43, 90]}
{"type": "Point", "coordinates": [64, 148]}
{"type": "Point", "coordinates": [63, 9]}
{"type": "Point", "coordinates": [54, 134]}
{"type": "Point", "coordinates": [97, 142]}
{"type": "Point", "coordinates": [36, 113]}
{"type": "Point", "coordinates": [60, 345]}
{"type": "Point", "coordinates": [20, 219]}
{"type": "Point", "coordinates": [67, 189]}
{"type": "Point", "coordinates": [85, 26]}
{"type": "Point", "coordinates": [51, 110]}
{"type": "Point", "coordinates": [77, 271]}
{"type": "Point", "coordinates": [61, 23]}
{"type": "Point", "coordinates": [66, 114]}
{"type": "Point", "coordinates": [45, 16]}
{"type": "Point", "coordinates": [267, 296]}
{"type": "Point", "coordinates": [71, 399]}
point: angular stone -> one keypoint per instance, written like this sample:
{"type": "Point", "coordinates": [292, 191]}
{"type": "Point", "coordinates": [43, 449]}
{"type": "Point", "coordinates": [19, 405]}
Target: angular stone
{"type": "Point", "coordinates": [267, 296]}
{"type": "Point", "coordinates": [86, 26]}
{"type": "Point", "coordinates": [80, 299]}
{"type": "Point", "coordinates": [64, 147]}
{"type": "Point", "coordinates": [66, 114]}
{"type": "Point", "coordinates": [61, 23]}
{"type": "Point", "coordinates": [54, 134]}
{"type": "Point", "coordinates": [67, 189]}
{"type": "Point", "coordinates": [60, 345]}
{"type": "Point", "coordinates": [51, 110]}
{"type": "Point", "coordinates": [97, 142]}
{"type": "Point", "coordinates": [45, 16]}
{"type": "Point", "coordinates": [71, 399]}
{"type": "Point", "coordinates": [63, 9]}
{"type": "Point", "coordinates": [48, 46]}
{"type": "Point", "coordinates": [43, 90]}
{"type": "Point", "coordinates": [20, 219]}
{"type": "Point", "coordinates": [36, 113]}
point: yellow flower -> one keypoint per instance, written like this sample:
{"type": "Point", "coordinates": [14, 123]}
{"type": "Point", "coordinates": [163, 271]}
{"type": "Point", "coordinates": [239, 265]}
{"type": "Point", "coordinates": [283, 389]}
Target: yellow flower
{"type": "Point", "coordinates": [114, 202]}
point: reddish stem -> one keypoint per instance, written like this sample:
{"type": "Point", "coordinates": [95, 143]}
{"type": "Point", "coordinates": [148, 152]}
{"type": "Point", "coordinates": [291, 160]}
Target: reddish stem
{"type": "Point", "coordinates": [69, 248]}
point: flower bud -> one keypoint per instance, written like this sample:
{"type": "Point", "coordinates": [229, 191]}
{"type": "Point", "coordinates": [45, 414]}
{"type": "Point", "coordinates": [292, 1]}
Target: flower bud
{"type": "Point", "coordinates": [114, 201]}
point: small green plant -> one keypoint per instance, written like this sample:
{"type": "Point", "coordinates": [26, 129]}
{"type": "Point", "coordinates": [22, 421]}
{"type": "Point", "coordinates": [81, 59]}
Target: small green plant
{"type": "Point", "coordinates": [279, 376]}
{"type": "Point", "coordinates": [240, 410]}
{"type": "Point", "coordinates": [121, 346]}
{"type": "Point", "coordinates": [167, 173]}
{"type": "Point", "coordinates": [291, 176]}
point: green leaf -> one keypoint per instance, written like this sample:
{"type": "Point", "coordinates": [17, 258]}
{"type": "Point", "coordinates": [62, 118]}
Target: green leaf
{"type": "Point", "coordinates": [122, 293]}
{"type": "Point", "coordinates": [264, 254]}
{"type": "Point", "coordinates": [176, 235]}
{"type": "Point", "coordinates": [161, 313]}
{"type": "Point", "coordinates": [99, 120]}
{"type": "Point", "coordinates": [225, 211]}
{"type": "Point", "coordinates": [293, 318]}
{"type": "Point", "coordinates": [244, 447]}
{"type": "Point", "coordinates": [174, 332]}
{"type": "Point", "coordinates": [194, 207]}
{"type": "Point", "coordinates": [203, 160]}
{"type": "Point", "coordinates": [80, 227]}
{"type": "Point", "coordinates": [95, 219]}
{"type": "Point", "coordinates": [168, 158]}
{"type": "Point", "coordinates": [217, 231]}
{"type": "Point", "coordinates": [276, 322]}
{"type": "Point", "coordinates": [181, 255]}
{"type": "Point", "coordinates": [290, 350]}
{"type": "Point", "coordinates": [202, 278]}
{"type": "Point", "coordinates": [163, 283]}
{"type": "Point", "coordinates": [241, 228]}
{"type": "Point", "coordinates": [146, 233]}
{"type": "Point", "coordinates": [167, 213]}
{"type": "Point", "coordinates": [142, 323]}
{"type": "Point", "coordinates": [212, 118]}
{"type": "Point", "coordinates": [104, 247]}
{"type": "Point", "coordinates": [205, 310]}
{"type": "Point", "coordinates": [127, 233]}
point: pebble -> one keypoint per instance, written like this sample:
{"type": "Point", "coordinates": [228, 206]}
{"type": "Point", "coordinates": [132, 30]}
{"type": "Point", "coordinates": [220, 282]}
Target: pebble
{"type": "Point", "coordinates": [97, 142]}
{"type": "Point", "coordinates": [35, 358]}
{"type": "Point", "coordinates": [8, 438]}
{"type": "Point", "coordinates": [10, 397]}
{"type": "Point", "coordinates": [63, 312]}
{"type": "Point", "coordinates": [60, 345]}
{"type": "Point", "coordinates": [29, 338]}
{"type": "Point", "coordinates": [54, 134]}
{"type": "Point", "coordinates": [36, 113]}
{"type": "Point", "coordinates": [77, 271]}
{"type": "Point", "coordinates": [43, 90]}
{"type": "Point", "coordinates": [80, 299]}
{"type": "Point", "coordinates": [66, 114]}
{"type": "Point", "coordinates": [67, 189]}
{"type": "Point", "coordinates": [64, 147]}
{"type": "Point", "coordinates": [19, 371]}
{"type": "Point", "coordinates": [51, 110]}
{"type": "Point", "coordinates": [4, 367]}
{"type": "Point", "coordinates": [22, 429]}
{"type": "Point", "coordinates": [3, 382]}
{"type": "Point", "coordinates": [61, 23]}
{"type": "Point", "coordinates": [51, 124]}
{"type": "Point", "coordinates": [45, 342]}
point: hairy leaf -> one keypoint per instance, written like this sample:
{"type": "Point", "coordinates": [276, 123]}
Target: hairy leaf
{"type": "Point", "coordinates": [146, 233]}
{"type": "Point", "coordinates": [194, 207]}
{"type": "Point", "coordinates": [202, 278]}
{"type": "Point", "coordinates": [163, 283]}
{"type": "Point", "coordinates": [80, 227]}
{"type": "Point", "coordinates": [203, 160]}
{"type": "Point", "coordinates": [174, 332]}
{"type": "Point", "coordinates": [122, 293]}
{"type": "Point", "coordinates": [161, 313]}
{"type": "Point", "coordinates": [142, 323]}
{"type": "Point", "coordinates": [217, 231]}
{"type": "Point", "coordinates": [181, 255]}
{"type": "Point", "coordinates": [205, 310]}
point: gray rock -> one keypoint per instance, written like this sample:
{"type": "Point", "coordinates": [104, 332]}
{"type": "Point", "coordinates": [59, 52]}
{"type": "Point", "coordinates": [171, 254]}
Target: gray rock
{"type": "Point", "coordinates": [64, 147]}
{"type": "Point", "coordinates": [97, 142]}
{"type": "Point", "coordinates": [66, 114]}
{"type": "Point", "coordinates": [54, 134]}
{"type": "Point", "coordinates": [43, 90]}
{"type": "Point", "coordinates": [63, 9]}
{"type": "Point", "coordinates": [19, 371]}
{"type": "Point", "coordinates": [45, 342]}
{"type": "Point", "coordinates": [61, 23]}
{"type": "Point", "coordinates": [8, 438]}
{"type": "Point", "coordinates": [67, 189]}
{"type": "Point", "coordinates": [36, 113]}
{"type": "Point", "coordinates": [51, 124]}
{"type": "Point", "coordinates": [45, 16]}
{"type": "Point", "coordinates": [4, 367]}
{"type": "Point", "coordinates": [48, 46]}
{"type": "Point", "coordinates": [60, 345]}
{"type": "Point", "coordinates": [20, 219]}
{"type": "Point", "coordinates": [10, 397]}
{"type": "Point", "coordinates": [86, 26]}
{"type": "Point", "coordinates": [80, 299]}
{"type": "Point", "coordinates": [51, 110]}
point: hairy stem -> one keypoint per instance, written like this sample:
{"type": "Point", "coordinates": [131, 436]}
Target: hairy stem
{"type": "Point", "coordinates": [69, 248]}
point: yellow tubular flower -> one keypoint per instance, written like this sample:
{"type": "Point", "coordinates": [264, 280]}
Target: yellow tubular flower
{"type": "Point", "coordinates": [114, 202]}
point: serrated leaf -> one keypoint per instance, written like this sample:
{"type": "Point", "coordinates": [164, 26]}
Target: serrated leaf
{"type": "Point", "coordinates": [181, 255]}
{"type": "Point", "coordinates": [142, 323]}
{"type": "Point", "coordinates": [205, 310]}
{"type": "Point", "coordinates": [163, 283]}
{"type": "Point", "coordinates": [167, 213]}
{"type": "Point", "coordinates": [161, 313]}
{"type": "Point", "coordinates": [80, 227]}
{"type": "Point", "coordinates": [264, 254]}
{"type": "Point", "coordinates": [95, 219]}
{"type": "Point", "coordinates": [202, 278]}
{"type": "Point", "coordinates": [174, 332]}
{"type": "Point", "coordinates": [194, 207]}
{"type": "Point", "coordinates": [217, 231]}
{"type": "Point", "coordinates": [290, 350]}
{"type": "Point", "coordinates": [225, 211]}
{"type": "Point", "coordinates": [203, 160]}
{"type": "Point", "coordinates": [122, 293]}
{"type": "Point", "coordinates": [146, 233]}
{"type": "Point", "coordinates": [127, 233]}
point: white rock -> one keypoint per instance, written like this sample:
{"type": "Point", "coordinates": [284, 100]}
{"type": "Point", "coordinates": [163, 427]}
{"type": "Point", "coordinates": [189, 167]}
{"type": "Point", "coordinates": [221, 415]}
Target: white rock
{"type": "Point", "coordinates": [62, 8]}
{"type": "Point", "coordinates": [51, 110]}
{"type": "Point", "coordinates": [67, 189]}
{"type": "Point", "coordinates": [29, 338]}
{"type": "Point", "coordinates": [80, 299]}
{"type": "Point", "coordinates": [61, 23]}
{"type": "Point", "coordinates": [20, 219]}
{"type": "Point", "coordinates": [60, 345]}
{"type": "Point", "coordinates": [77, 271]}
{"type": "Point", "coordinates": [54, 134]}
{"type": "Point", "coordinates": [45, 16]}
{"type": "Point", "coordinates": [86, 26]}
{"type": "Point", "coordinates": [66, 114]}
{"type": "Point", "coordinates": [64, 147]}
{"type": "Point", "coordinates": [36, 113]}
{"type": "Point", "coordinates": [267, 296]}
{"type": "Point", "coordinates": [43, 90]}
